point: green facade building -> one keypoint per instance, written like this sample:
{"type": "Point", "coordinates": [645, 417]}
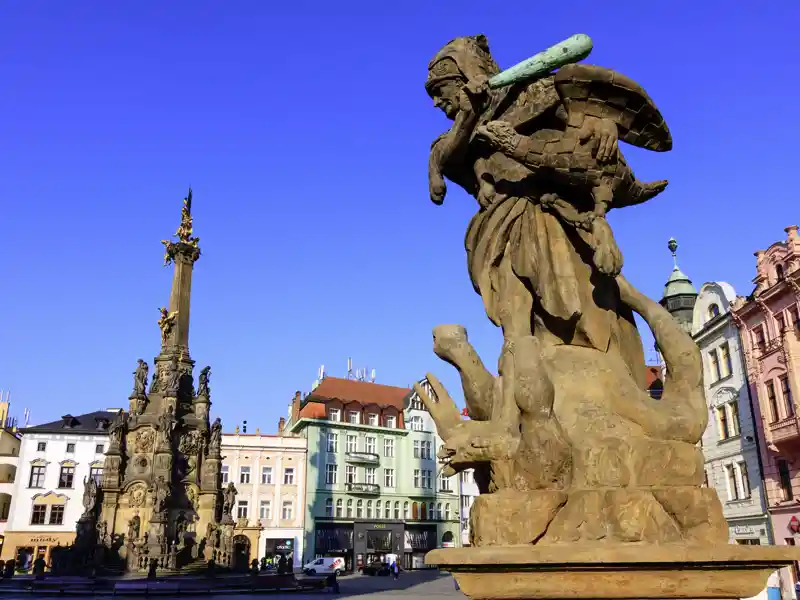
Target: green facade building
{"type": "Point", "coordinates": [372, 476]}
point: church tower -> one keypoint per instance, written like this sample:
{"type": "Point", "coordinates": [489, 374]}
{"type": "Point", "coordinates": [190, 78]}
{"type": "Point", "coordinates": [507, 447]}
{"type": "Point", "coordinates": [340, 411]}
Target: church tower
{"type": "Point", "coordinates": [679, 294]}
{"type": "Point", "coordinates": [160, 491]}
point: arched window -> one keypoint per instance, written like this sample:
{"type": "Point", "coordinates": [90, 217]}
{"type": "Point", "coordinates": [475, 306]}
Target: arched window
{"type": "Point", "coordinates": [423, 511]}
{"type": "Point", "coordinates": [439, 511]}
{"type": "Point", "coordinates": [360, 509]}
{"type": "Point", "coordinates": [339, 508]}
{"type": "Point", "coordinates": [387, 510]}
{"type": "Point", "coordinates": [713, 311]}
{"type": "Point", "coordinates": [405, 511]}
{"type": "Point", "coordinates": [378, 509]}
{"type": "Point", "coordinates": [447, 512]}
{"type": "Point", "coordinates": [415, 512]}
{"type": "Point", "coordinates": [369, 509]}
{"type": "Point", "coordinates": [779, 272]}
{"type": "Point", "coordinates": [431, 512]}
{"type": "Point", "coordinates": [350, 508]}
{"type": "Point", "coordinates": [397, 510]}
{"type": "Point", "coordinates": [447, 539]}
{"type": "Point", "coordinates": [329, 507]}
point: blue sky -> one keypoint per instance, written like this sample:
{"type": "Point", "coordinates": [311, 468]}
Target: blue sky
{"type": "Point", "coordinates": [304, 130]}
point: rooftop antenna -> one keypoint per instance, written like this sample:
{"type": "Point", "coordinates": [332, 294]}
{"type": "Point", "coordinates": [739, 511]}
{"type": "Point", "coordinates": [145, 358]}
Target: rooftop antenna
{"type": "Point", "coordinates": [349, 368]}
{"type": "Point", "coordinates": [372, 376]}
{"type": "Point", "coordinates": [321, 372]}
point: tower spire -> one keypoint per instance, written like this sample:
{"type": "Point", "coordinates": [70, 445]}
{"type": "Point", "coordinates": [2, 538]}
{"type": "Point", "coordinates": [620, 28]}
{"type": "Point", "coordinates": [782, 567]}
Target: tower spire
{"type": "Point", "coordinates": [183, 253]}
{"type": "Point", "coordinates": [672, 244]}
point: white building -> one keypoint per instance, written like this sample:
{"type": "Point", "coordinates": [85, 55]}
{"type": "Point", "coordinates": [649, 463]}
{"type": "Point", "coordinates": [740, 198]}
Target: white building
{"type": "Point", "coordinates": [468, 491]}
{"type": "Point", "coordinates": [9, 461]}
{"type": "Point", "coordinates": [54, 461]}
{"type": "Point", "coordinates": [729, 443]}
{"type": "Point", "coordinates": [269, 472]}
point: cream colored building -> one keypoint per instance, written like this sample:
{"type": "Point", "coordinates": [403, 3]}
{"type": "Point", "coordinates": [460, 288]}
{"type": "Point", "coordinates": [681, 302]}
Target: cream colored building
{"type": "Point", "coordinates": [269, 472]}
{"type": "Point", "coordinates": [9, 462]}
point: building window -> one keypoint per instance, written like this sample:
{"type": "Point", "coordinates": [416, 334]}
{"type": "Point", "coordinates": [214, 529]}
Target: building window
{"type": "Point", "coordinates": [426, 479]}
{"type": "Point", "coordinates": [772, 400]}
{"type": "Point", "coordinates": [350, 509]}
{"type": "Point", "coordinates": [369, 475]}
{"type": "Point", "coordinates": [354, 417]}
{"type": "Point", "coordinates": [369, 445]}
{"type": "Point", "coordinates": [759, 341]}
{"type": "Point", "coordinates": [99, 449]}
{"type": "Point", "coordinates": [387, 510]}
{"type": "Point", "coordinates": [431, 512]}
{"type": "Point", "coordinates": [334, 415]}
{"type": "Point", "coordinates": [722, 421]}
{"type": "Point", "coordinates": [378, 509]}
{"type": "Point", "coordinates": [96, 473]}
{"type": "Point", "coordinates": [41, 446]}
{"type": "Point", "coordinates": [329, 507]}
{"type": "Point", "coordinates": [744, 481]}
{"type": "Point", "coordinates": [57, 514]}
{"type": "Point", "coordinates": [244, 474]}
{"type": "Point", "coordinates": [786, 392]}
{"type": "Point", "coordinates": [388, 478]}
{"type": "Point", "coordinates": [70, 448]}
{"type": "Point", "coordinates": [288, 476]}
{"type": "Point", "coordinates": [780, 324]}
{"type": "Point", "coordinates": [427, 449]}
{"type": "Point", "coordinates": [391, 421]}
{"type": "Point", "coordinates": [38, 514]}
{"type": "Point", "coordinates": [388, 447]}
{"type": "Point", "coordinates": [372, 419]}
{"type": "Point", "coordinates": [405, 511]}
{"type": "Point", "coordinates": [352, 443]}
{"type": "Point", "coordinates": [733, 488]}
{"type": "Point", "coordinates": [785, 479]}
{"type": "Point", "coordinates": [330, 474]}
{"type": "Point", "coordinates": [349, 474]}
{"type": "Point", "coordinates": [714, 361]}
{"type": "Point", "coordinates": [224, 473]}
{"type": "Point", "coordinates": [417, 448]}
{"type": "Point", "coordinates": [36, 479]}
{"type": "Point", "coordinates": [397, 511]}
{"type": "Point", "coordinates": [725, 359]}
{"type": "Point", "coordinates": [445, 484]}
{"type": "Point", "coordinates": [416, 423]}
{"type": "Point", "coordinates": [713, 311]}
{"type": "Point", "coordinates": [333, 442]}
{"type": "Point", "coordinates": [266, 475]}
{"type": "Point", "coordinates": [794, 318]}
{"type": "Point", "coordinates": [265, 510]}
{"type": "Point", "coordinates": [359, 509]}
{"type": "Point", "coordinates": [416, 403]}
{"type": "Point", "coordinates": [439, 511]}
{"type": "Point", "coordinates": [447, 512]}
{"type": "Point", "coordinates": [417, 478]}
{"type": "Point", "coordinates": [241, 509]}
{"type": "Point", "coordinates": [369, 509]}
{"type": "Point", "coordinates": [415, 512]}
{"type": "Point", "coordinates": [339, 508]}
{"type": "Point", "coordinates": [779, 275]}
{"type": "Point", "coordinates": [66, 477]}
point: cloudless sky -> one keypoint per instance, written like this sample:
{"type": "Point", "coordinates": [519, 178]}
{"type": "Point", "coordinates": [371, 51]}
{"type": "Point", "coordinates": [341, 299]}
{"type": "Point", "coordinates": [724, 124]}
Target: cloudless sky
{"type": "Point", "coordinates": [304, 130]}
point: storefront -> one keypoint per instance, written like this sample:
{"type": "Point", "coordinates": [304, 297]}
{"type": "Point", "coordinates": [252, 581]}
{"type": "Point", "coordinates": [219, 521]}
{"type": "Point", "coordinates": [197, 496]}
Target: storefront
{"type": "Point", "coordinates": [274, 548]}
{"type": "Point", "coordinates": [334, 539]}
{"type": "Point", "coordinates": [749, 532]}
{"type": "Point", "coordinates": [786, 527]}
{"type": "Point", "coordinates": [26, 547]}
{"type": "Point", "coordinates": [419, 540]}
{"type": "Point", "coordinates": [373, 541]}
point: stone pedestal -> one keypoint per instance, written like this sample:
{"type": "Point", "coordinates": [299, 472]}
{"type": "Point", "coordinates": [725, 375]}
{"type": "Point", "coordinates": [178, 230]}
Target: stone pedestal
{"type": "Point", "coordinates": [631, 571]}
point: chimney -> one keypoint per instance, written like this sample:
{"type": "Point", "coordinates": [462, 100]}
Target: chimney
{"type": "Point", "coordinates": [281, 424]}
{"type": "Point", "coordinates": [296, 406]}
{"type": "Point", "coordinates": [244, 426]}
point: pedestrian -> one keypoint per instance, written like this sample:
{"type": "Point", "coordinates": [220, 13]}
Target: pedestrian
{"type": "Point", "coordinates": [396, 569]}
{"type": "Point", "coordinates": [333, 583]}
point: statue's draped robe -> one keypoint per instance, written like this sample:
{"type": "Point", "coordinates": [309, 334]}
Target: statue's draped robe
{"type": "Point", "coordinates": [513, 226]}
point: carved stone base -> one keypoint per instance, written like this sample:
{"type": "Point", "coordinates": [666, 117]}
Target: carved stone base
{"type": "Point", "coordinates": [629, 571]}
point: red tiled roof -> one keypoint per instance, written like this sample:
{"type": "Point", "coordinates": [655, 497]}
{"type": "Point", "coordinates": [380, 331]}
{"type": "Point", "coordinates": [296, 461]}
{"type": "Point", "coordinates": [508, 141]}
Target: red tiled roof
{"type": "Point", "coordinates": [363, 392]}
{"type": "Point", "coordinates": [652, 374]}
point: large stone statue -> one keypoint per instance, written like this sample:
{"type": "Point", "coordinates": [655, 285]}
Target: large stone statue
{"type": "Point", "coordinates": [174, 376]}
{"type": "Point", "coordinates": [89, 496]}
{"type": "Point", "coordinates": [205, 377]}
{"type": "Point", "coordinates": [117, 429]}
{"type": "Point", "coordinates": [166, 425]}
{"type": "Point", "coordinates": [228, 501]}
{"type": "Point", "coordinates": [565, 434]}
{"type": "Point", "coordinates": [160, 494]}
{"type": "Point", "coordinates": [140, 379]}
{"type": "Point", "coordinates": [215, 437]}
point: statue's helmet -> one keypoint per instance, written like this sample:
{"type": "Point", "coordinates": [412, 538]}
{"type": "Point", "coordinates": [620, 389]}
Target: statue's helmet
{"type": "Point", "coordinates": [462, 58]}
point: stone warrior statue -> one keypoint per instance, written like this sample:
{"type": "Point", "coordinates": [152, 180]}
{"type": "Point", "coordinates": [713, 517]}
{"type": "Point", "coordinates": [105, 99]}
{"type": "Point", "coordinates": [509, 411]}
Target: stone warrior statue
{"type": "Point", "coordinates": [166, 425]}
{"type": "Point", "coordinates": [166, 323]}
{"type": "Point", "coordinates": [174, 376]}
{"type": "Point", "coordinates": [229, 500]}
{"type": "Point", "coordinates": [140, 379]}
{"type": "Point", "coordinates": [117, 428]}
{"type": "Point", "coordinates": [542, 159]}
{"type": "Point", "coordinates": [204, 379]}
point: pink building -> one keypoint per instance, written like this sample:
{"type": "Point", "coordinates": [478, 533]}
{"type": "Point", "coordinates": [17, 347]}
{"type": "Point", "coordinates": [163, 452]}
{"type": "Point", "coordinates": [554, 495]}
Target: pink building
{"type": "Point", "coordinates": [769, 324]}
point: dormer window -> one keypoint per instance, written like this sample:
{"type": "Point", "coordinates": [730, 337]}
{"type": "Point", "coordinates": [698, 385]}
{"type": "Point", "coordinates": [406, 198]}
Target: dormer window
{"type": "Point", "coordinates": [101, 424]}
{"type": "Point", "coordinates": [713, 311]}
{"type": "Point", "coordinates": [69, 421]}
{"type": "Point", "coordinates": [354, 417]}
{"type": "Point", "coordinates": [372, 419]}
{"type": "Point", "coordinates": [334, 414]}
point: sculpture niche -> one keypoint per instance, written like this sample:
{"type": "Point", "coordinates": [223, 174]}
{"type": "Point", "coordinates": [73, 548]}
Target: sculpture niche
{"type": "Point", "coordinates": [569, 450]}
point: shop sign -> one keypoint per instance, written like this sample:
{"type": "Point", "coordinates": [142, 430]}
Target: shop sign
{"type": "Point", "coordinates": [794, 524]}
{"type": "Point", "coordinates": [379, 526]}
{"type": "Point", "coordinates": [43, 539]}
{"type": "Point", "coordinates": [744, 530]}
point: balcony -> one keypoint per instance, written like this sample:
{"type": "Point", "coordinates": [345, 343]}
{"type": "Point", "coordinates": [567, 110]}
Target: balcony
{"type": "Point", "coordinates": [371, 489]}
{"type": "Point", "coordinates": [363, 458]}
{"type": "Point", "coordinates": [784, 430]}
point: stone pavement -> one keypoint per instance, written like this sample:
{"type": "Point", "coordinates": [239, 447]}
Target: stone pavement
{"type": "Point", "coordinates": [417, 584]}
